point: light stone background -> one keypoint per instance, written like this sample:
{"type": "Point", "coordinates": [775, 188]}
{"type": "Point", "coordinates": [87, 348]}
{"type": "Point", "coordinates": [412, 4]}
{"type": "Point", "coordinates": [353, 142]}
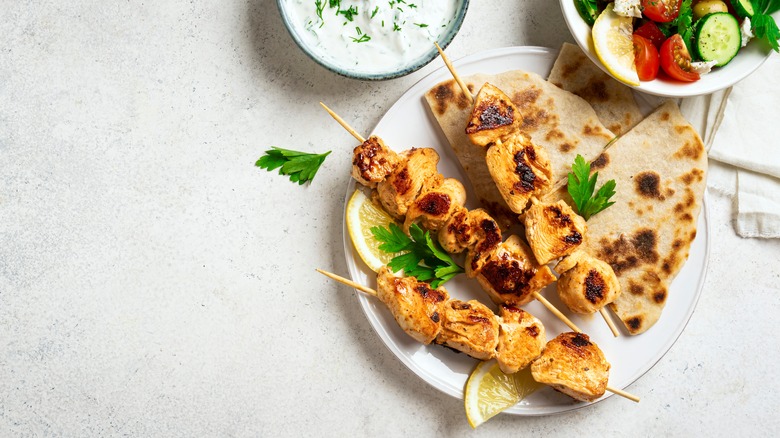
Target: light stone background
{"type": "Point", "coordinates": [154, 283]}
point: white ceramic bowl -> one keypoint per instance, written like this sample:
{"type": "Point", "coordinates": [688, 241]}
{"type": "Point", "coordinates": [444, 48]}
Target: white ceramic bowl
{"type": "Point", "coordinates": [745, 63]}
{"type": "Point", "coordinates": [413, 65]}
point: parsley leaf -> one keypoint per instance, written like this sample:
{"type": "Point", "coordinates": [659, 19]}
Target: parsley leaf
{"type": "Point", "coordinates": [299, 166]}
{"type": "Point", "coordinates": [685, 24]}
{"type": "Point", "coordinates": [582, 185]}
{"type": "Point", "coordinates": [763, 25]}
{"type": "Point", "coordinates": [422, 257]}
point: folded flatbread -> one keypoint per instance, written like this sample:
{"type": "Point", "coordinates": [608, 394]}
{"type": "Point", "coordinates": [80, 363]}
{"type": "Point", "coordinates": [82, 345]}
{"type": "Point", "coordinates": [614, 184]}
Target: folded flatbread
{"type": "Point", "coordinates": [660, 169]}
{"type": "Point", "coordinates": [563, 124]}
{"type": "Point", "coordinates": [613, 102]}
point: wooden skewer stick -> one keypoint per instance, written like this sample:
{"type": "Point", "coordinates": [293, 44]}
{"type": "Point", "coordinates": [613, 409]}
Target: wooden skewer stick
{"type": "Point", "coordinates": [455, 75]}
{"type": "Point", "coordinates": [344, 124]}
{"type": "Point", "coordinates": [609, 322]}
{"type": "Point", "coordinates": [556, 312]}
{"type": "Point", "coordinates": [348, 282]}
{"type": "Point", "coordinates": [373, 293]}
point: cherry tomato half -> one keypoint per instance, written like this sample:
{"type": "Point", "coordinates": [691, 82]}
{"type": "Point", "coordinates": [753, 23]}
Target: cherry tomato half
{"type": "Point", "coordinates": [646, 58]}
{"type": "Point", "coordinates": [676, 61]}
{"type": "Point", "coordinates": [662, 11]}
{"type": "Point", "coordinates": [651, 31]}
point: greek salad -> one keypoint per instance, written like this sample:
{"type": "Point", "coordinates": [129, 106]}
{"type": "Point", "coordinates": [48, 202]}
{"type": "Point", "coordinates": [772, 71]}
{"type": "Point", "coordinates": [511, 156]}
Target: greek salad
{"type": "Point", "coordinates": [687, 38]}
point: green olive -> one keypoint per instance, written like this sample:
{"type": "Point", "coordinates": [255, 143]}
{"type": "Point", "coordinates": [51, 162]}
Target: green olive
{"type": "Point", "coordinates": [706, 7]}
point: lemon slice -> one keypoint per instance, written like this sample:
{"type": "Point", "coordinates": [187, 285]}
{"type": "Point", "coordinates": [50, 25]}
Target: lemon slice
{"type": "Point", "coordinates": [362, 214]}
{"type": "Point", "coordinates": [615, 46]}
{"type": "Point", "coordinates": [489, 391]}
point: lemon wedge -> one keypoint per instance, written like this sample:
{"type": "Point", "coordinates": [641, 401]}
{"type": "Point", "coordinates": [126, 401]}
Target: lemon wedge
{"type": "Point", "coordinates": [612, 39]}
{"type": "Point", "coordinates": [362, 214]}
{"type": "Point", "coordinates": [489, 391]}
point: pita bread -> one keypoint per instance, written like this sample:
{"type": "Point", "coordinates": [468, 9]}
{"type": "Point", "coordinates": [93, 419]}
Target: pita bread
{"type": "Point", "coordinates": [558, 121]}
{"type": "Point", "coordinates": [646, 235]}
{"type": "Point", "coordinates": [613, 102]}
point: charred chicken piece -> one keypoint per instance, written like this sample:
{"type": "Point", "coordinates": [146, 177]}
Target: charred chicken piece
{"type": "Point", "coordinates": [510, 274]}
{"type": "Point", "coordinates": [493, 117]}
{"type": "Point", "coordinates": [416, 172]}
{"type": "Point", "coordinates": [470, 228]}
{"type": "Point", "coordinates": [415, 306]}
{"type": "Point", "coordinates": [519, 169]}
{"type": "Point", "coordinates": [573, 365]}
{"type": "Point", "coordinates": [372, 162]}
{"type": "Point", "coordinates": [521, 339]}
{"type": "Point", "coordinates": [553, 230]}
{"type": "Point", "coordinates": [587, 283]}
{"type": "Point", "coordinates": [469, 327]}
{"type": "Point", "coordinates": [434, 207]}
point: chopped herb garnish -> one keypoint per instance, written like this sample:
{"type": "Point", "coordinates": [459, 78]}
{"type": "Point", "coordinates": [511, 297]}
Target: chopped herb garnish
{"type": "Point", "coordinates": [320, 7]}
{"type": "Point", "coordinates": [363, 38]}
{"type": "Point", "coordinates": [376, 9]}
{"type": "Point", "coordinates": [396, 27]}
{"type": "Point", "coordinates": [399, 8]}
{"type": "Point", "coordinates": [413, 6]}
{"type": "Point", "coordinates": [350, 13]}
{"type": "Point", "coordinates": [420, 24]}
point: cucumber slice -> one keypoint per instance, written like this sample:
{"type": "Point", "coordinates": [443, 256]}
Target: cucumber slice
{"type": "Point", "coordinates": [744, 8]}
{"type": "Point", "coordinates": [718, 38]}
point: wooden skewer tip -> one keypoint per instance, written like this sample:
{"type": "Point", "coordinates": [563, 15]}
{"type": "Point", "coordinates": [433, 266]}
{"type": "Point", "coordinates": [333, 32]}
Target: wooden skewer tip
{"type": "Point", "coordinates": [623, 394]}
{"type": "Point", "coordinates": [348, 282]}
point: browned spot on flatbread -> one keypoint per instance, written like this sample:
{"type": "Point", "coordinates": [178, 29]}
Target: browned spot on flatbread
{"type": "Point", "coordinates": [554, 134]}
{"type": "Point", "coordinates": [566, 147]}
{"type": "Point", "coordinates": [634, 323]}
{"type": "Point", "coordinates": [535, 119]}
{"type": "Point", "coordinates": [527, 97]}
{"type": "Point", "coordinates": [594, 91]}
{"type": "Point", "coordinates": [446, 94]}
{"type": "Point", "coordinates": [690, 150]}
{"type": "Point", "coordinates": [665, 116]}
{"type": "Point", "coordinates": [635, 288]}
{"type": "Point", "coordinates": [592, 130]}
{"type": "Point", "coordinates": [570, 69]}
{"type": "Point", "coordinates": [648, 185]}
{"type": "Point", "coordinates": [616, 128]}
{"type": "Point", "coordinates": [695, 175]}
{"type": "Point", "coordinates": [600, 162]}
{"type": "Point", "coordinates": [630, 252]}
{"type": "Point", "coordinates": [660, 296]}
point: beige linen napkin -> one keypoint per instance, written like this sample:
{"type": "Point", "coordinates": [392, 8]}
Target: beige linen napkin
{"type": "Point", "coordinates": [746, 136]}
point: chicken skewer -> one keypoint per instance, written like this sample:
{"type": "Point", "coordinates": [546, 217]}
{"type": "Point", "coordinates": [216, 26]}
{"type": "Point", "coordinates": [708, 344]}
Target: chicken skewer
{"type": "Point", "coordinates": [497, 122]}
{"type": "Point", "coordinates": [513, 351]}
{"type": "Point", "coordinates": [489, 252]}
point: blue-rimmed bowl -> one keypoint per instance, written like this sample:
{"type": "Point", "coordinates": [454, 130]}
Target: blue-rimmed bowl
{"type": "Point", "coordinates": [401, 70]}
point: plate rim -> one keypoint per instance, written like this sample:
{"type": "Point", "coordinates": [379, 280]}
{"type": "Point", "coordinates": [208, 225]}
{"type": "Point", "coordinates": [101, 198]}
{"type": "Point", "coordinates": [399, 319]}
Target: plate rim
{"type": "Point", "coordinates": [443, 387]}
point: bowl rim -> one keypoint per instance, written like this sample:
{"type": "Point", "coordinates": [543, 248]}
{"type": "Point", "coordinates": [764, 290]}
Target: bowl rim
{"type": "Point", "coordinates": [667, 88]}
{"type": "Point", "coordinates": [417, 64]}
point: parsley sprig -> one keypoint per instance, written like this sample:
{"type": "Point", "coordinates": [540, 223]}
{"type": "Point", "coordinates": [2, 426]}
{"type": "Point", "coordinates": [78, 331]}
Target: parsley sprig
{"type": "Point", "coordinates": [422, 257]}
{"type": "Point", "coordinates": [685, 24]}
{"type": "Point", "coordinates": [299, 166]}
{"type": "Point", "coordinates": [582, 185]}
{"type": "Point", "coordinates": [762, 23]}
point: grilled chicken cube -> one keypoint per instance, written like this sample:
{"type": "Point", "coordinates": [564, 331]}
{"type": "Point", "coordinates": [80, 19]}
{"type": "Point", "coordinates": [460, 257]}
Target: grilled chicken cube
{"type": "Point", "coordinates": [486, 240]}
{"type": "Point", "coordinates": [553, 230]}
{"type": "Point", "coordinates": [434, 207]}
{"type": "Point", "coordinates": [573, 365]}
{"type": "Point", "coordinates": [494, 116]}
{"type": "Point", "coordinates": [521, 339]}
{"type": "Point", "coordinates": [511, 275]}
{"type": "Point", "coordinates": [470, 228]}
{"type": "Point", "coordinates": [416, 172]}
{"type": "Point", "coordinates": [469, 327]}
{"type": "Point", "coordinates": [372, 162]}
{"type": "Point", "coordinates": [519, 169]}
{"type": "Point", "coordinates": [415, 306]}
{"type": "Point", "coordinates": [587, 284]}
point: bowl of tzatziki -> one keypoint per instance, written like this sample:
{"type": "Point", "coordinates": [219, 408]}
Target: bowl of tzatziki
{"type": "Point", "coordinates": [370, 39]}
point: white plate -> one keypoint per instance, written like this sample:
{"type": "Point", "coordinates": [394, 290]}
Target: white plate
{"type": "Point", "coordinates": [409, 123]}
{"type": "Point", "coordinates": [746, 62]}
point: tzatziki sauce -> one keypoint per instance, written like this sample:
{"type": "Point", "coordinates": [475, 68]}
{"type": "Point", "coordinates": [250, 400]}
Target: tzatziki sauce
{"type": "Point", "coordinates": [367, 36]}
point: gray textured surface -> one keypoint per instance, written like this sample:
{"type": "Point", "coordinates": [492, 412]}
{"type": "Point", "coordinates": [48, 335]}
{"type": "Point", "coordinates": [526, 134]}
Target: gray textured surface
{"type": "Point", "coordinates": [153, 282]}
